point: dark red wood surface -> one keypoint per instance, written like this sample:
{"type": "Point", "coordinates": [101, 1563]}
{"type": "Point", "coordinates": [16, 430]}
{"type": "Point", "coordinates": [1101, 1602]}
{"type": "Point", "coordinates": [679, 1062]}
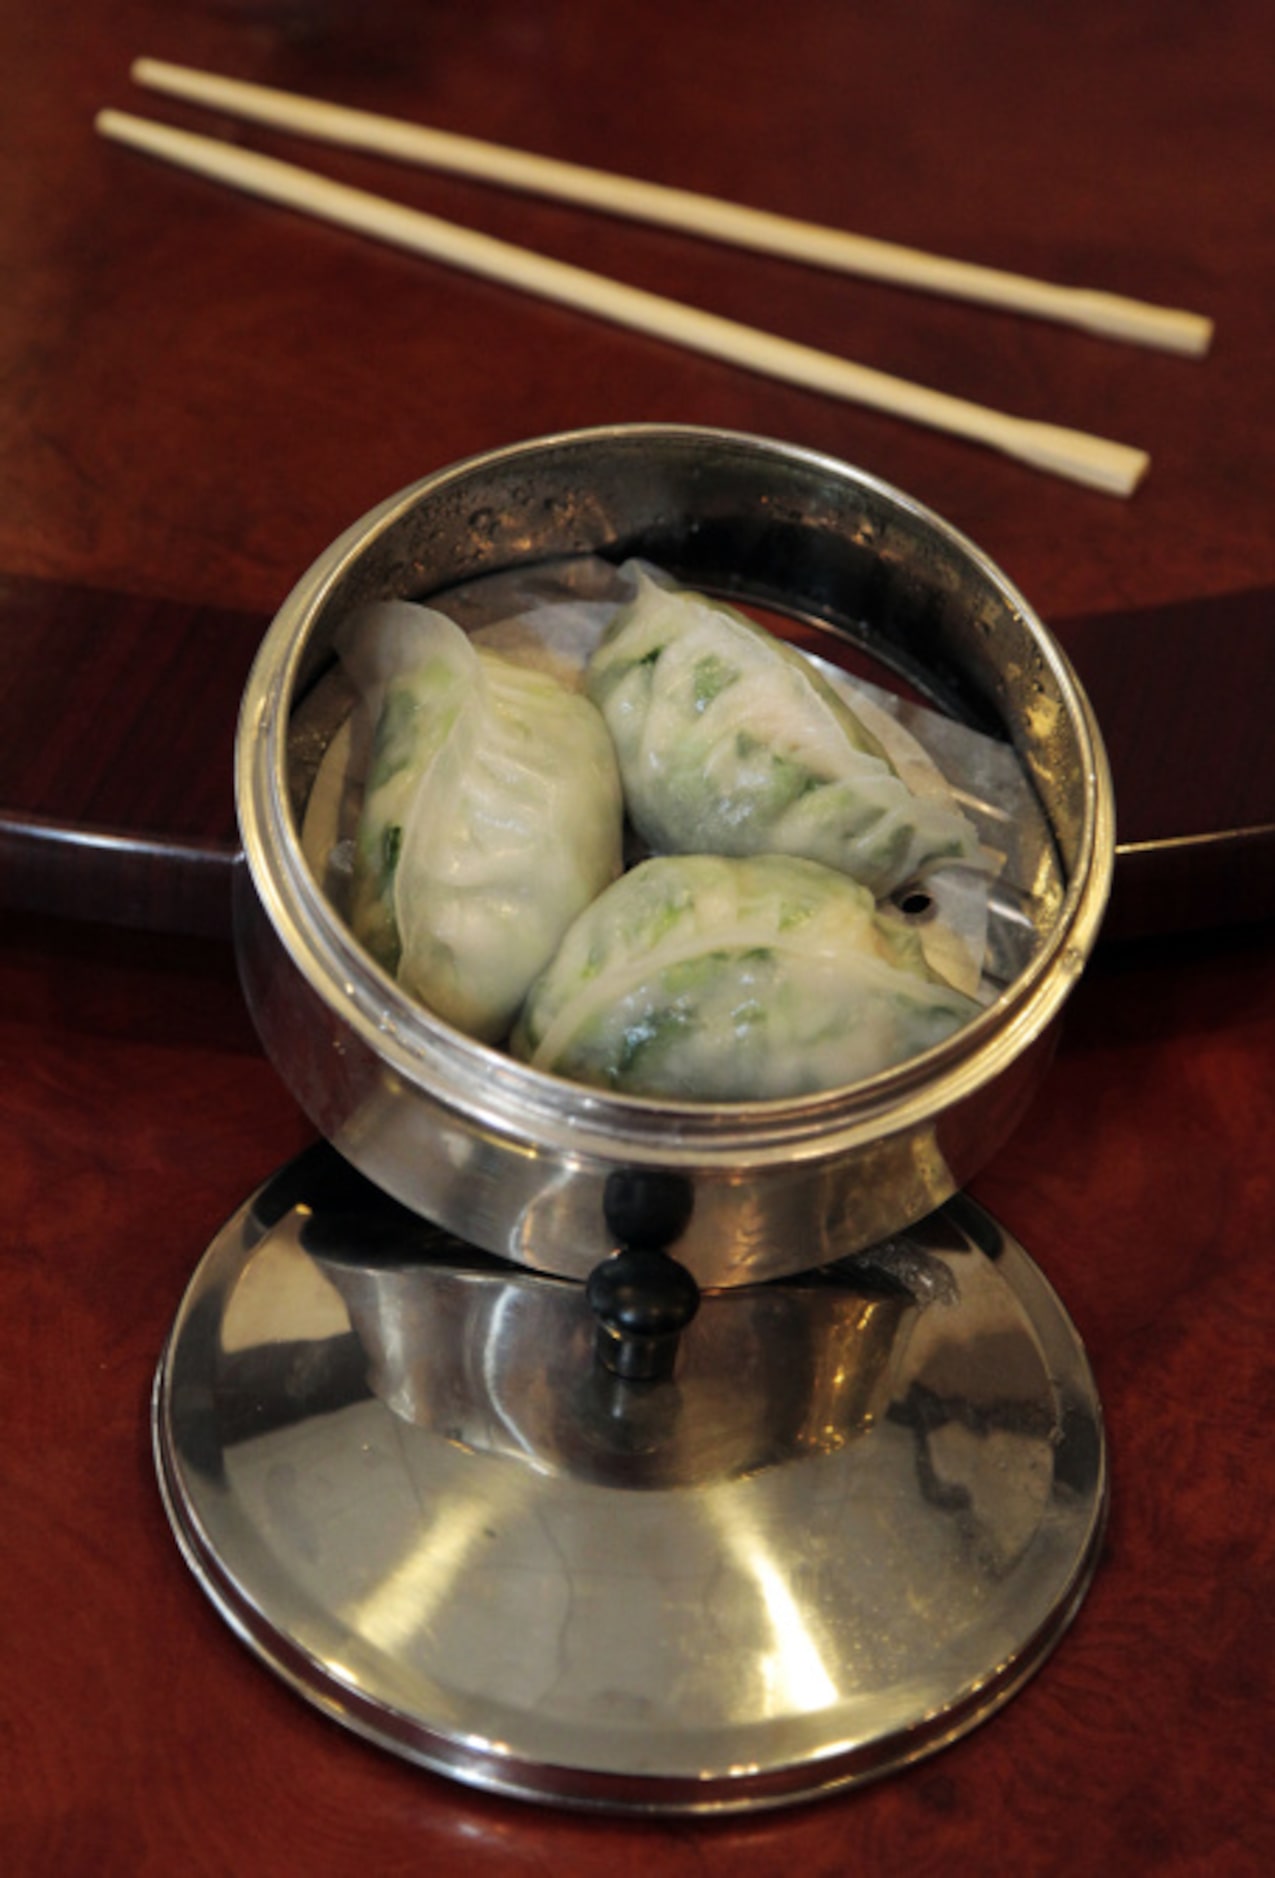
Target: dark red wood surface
{"type": "Point", "coordinates": [205, 390]}
{"type": "Point", "coordinates": [199, 393]}
{"type": "Point", "coordinates": [140, 1736]}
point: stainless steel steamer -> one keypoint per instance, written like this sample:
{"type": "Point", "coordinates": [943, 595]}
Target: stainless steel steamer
{"type": "Point", "coordinates": [686, 1559]}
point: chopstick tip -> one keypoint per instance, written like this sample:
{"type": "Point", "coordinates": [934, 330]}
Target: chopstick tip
{"type": "Point", "coordinates": [1138, 473]}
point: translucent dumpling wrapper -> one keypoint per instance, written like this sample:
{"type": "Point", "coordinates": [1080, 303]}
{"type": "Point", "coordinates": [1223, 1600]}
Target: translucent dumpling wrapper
{"type": "Point", "coordinates": [730, 742]}
{"type": "Point", "coordinates": [709, 978]}
{"type": "Point", "coordinates": [492, 814]}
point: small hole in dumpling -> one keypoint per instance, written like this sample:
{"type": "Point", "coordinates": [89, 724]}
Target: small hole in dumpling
{"type": "Point", "coordinates": [915, 903]}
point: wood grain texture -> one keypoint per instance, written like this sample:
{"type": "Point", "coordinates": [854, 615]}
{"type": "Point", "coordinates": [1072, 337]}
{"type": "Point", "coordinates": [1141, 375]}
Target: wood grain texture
{"type": "Point", "coordinates": [140, 1737]}
{"type": "Point", "coordinates": [199, 395]}
{"type": "Point", "coordinates": [209, 389]}
{"type": "Point", "coordinates": [201, 391]}
{"type": "Point", "coordinates": [117, 729]}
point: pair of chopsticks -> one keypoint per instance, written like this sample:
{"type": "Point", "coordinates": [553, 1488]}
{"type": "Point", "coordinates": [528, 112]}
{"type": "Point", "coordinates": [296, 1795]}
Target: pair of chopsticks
{"type": "Point", "coordinates": [1113, 467]}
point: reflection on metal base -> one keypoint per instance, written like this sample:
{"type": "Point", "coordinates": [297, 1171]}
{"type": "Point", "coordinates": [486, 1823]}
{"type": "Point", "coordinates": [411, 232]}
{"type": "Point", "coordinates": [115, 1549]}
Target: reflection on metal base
{"type": "Point", "coordinates": [848, 1529]}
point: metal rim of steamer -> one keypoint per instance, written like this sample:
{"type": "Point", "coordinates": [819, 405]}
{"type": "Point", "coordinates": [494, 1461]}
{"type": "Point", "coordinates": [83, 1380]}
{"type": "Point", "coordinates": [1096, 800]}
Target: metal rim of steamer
{"type": "Point", "coordinates": [786, 527]}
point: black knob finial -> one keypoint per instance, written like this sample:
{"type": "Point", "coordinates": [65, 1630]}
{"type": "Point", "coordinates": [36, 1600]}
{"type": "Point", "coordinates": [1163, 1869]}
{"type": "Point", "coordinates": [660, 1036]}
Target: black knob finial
{"type": "Point", "coordinates": [642, 1298]}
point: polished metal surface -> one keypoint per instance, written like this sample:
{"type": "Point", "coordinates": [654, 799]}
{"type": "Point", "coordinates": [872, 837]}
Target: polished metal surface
{"type": "Point", "coordinates": [516, 1161]}
{"type": "Point", "coordinates": [855, 1521]}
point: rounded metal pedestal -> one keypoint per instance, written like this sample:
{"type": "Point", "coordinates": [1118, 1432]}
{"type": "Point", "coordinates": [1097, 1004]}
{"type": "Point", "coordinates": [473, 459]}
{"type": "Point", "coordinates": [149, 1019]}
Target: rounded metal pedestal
{"type": "Point", "coordinates": [849, 1528]}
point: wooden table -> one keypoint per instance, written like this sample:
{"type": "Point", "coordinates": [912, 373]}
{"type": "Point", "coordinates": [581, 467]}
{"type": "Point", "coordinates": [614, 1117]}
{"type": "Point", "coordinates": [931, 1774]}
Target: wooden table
{"type": "Point", "coordinates": [200, 393]}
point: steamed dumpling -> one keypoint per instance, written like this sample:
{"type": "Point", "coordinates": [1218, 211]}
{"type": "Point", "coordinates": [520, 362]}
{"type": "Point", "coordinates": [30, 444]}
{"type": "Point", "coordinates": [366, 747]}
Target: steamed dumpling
{"type": "Point", "coordinates": [730, 742]}
{"type": "Point", "coordinates": [713, 979]}
{"type": "Point", "coordinates": [492, 814]}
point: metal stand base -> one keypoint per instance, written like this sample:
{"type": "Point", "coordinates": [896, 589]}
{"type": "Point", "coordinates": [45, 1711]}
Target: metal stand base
{"type": "Point", "coordinates": [852, 1524]}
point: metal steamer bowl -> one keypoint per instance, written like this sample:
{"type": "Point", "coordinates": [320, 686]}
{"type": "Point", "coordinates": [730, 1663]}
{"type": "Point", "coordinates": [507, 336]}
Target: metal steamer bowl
{"type": "Point", "coordinates": [516, 1162]}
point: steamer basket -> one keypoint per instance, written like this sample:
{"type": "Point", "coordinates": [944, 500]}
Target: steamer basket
{"type": "Point", "coordinates": [516, 1162]}
{"type": "Point", "coordinates": [616, 1544]}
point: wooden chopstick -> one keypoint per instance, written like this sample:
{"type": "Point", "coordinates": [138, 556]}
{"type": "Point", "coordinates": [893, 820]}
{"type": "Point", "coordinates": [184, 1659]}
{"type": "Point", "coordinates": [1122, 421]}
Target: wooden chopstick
{"type": "Point", "coordinates": [1110, 315]}
{"type": "Point", "coordinates": [1113, 467]}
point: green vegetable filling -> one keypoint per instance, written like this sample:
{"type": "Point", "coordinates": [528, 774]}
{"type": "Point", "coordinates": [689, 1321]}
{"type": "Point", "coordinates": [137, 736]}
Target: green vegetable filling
{"type": "Point", "coordinates": [649, 1038]}
{"type": "Point", "coordinates": [391, 848]}
{"type": "Point", "coordinates": [394, 745]}
{"type": "Point", "coordinates": [711, 676]}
